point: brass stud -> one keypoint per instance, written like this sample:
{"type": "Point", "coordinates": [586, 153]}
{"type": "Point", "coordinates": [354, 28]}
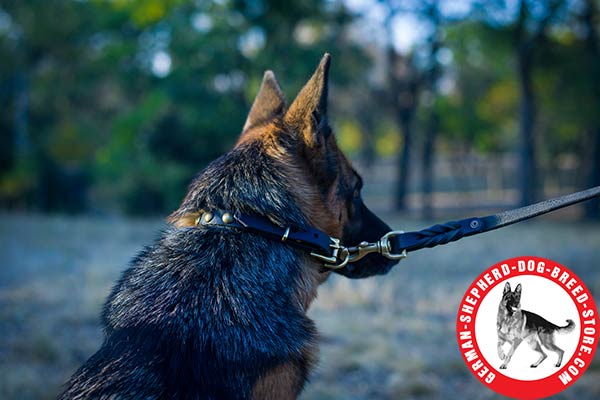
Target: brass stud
{"type": "Point", "coordinates": [227, 218]}
{"type": "Point", "coordinates": [208, 217]}
{"type": "Point", "coordinates": [285, 234]}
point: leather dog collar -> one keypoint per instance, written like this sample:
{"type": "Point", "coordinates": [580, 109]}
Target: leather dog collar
{"type": "Point", "coordinates": [313, 240]}
{"type": "Point", "coordinates": [393, 245]}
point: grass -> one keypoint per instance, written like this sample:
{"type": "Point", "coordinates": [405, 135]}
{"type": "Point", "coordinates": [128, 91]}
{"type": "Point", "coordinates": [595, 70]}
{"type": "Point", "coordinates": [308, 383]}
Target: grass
{"type": "Point", "coordinates": [386, 337]}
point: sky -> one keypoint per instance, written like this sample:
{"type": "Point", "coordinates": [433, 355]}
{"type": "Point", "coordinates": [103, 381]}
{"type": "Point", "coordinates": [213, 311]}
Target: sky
{"type": "Point", "coordinates": [408, 28]}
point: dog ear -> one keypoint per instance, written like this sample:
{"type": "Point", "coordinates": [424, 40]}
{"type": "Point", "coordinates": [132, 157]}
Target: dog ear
{"type": "Point", "coordinates": [518, 292]}
{"type": "Point", "coordinates": [268, 104]}
{"type": "Point", "coordinates": [506, 288]}
{"type": "Point", "coordinates": [308, 112]}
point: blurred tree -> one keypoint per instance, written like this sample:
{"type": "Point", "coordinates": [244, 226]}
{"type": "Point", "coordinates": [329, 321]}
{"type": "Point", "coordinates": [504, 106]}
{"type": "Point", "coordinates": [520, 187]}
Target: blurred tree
{"type": "Point", "coordinates": [121, 102]}
{"type": "Point", "coordinates": [43, 44]}
{"type": "Point", "coordinates": [410, 76]}
{"type": "Point", "coordinates": [479, 112]}
{"type": "Point", "coordinates": [530, 30]}
{"type": "Point", "coordinates": [431, 77]}
{"type": "Point", "coordinates": [404, 81]}
{"type": "Point", "coordinates": [499, 29]}
{"type": "Point", "coordinates": [115, 104]}
{"type": "Point", "coordinates": [590, 19]}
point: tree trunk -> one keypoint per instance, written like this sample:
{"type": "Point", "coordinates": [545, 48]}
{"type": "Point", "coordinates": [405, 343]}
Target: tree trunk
{"type": "Point", "coordinates": [21, 116]}
{"type": "Point", "coordinates": [405, 123]}
{"type": "Point", "coordinates": [428, 155]}
{"type": "Point", "coordinates": [404, 87]}
{"type": "Point", "coordinates": [368, 151]}
{"type": "Point", "coordinates": [527, 166]}
{"type": "Point", "coordinates": [592, 207]}
{"type": "Point", "coordinates": [434, 117]}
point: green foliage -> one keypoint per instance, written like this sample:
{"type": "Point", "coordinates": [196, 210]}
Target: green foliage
{"type": "Point", "coordinates": [481, 112]}
{"type": "Point", "coordinates": [115, 105]}
{"type": "Point", "coordinates": [387, 140]}
{"type": "Point", "coordinates": [349, 137]}
{"type": "Point", "coordinates": [137, 96]}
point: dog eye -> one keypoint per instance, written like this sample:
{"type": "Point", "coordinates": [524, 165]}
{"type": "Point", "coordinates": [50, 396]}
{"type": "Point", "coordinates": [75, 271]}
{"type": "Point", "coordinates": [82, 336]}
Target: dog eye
{"type": "Point", "coordinates": [356, 193]}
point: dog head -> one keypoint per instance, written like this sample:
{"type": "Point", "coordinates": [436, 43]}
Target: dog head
{"type": "Point", "coordinates": [288, 167]}
{"type": "Point", "coordinates": [322, 179]}
{"type": "Point", "coordinates": [511, 300]}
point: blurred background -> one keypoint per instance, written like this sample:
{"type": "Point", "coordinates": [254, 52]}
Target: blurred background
{"type": "Point", "coordinates": [447, 107]}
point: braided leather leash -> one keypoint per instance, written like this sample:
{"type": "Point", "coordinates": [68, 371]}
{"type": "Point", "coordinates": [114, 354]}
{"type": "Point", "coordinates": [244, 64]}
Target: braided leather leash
{"type": "Point", "coordinates": [395, 244]}
{"type": "Point", "coordinates": [455, 230]}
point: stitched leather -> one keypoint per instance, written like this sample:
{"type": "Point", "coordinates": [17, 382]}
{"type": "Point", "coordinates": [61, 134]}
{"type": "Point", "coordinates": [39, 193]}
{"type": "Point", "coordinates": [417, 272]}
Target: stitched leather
{"type": "Point", "coordinates": [455, 230]}
{"type": "Point", "coordinates": [312, 239]}
{"type": "Point", "coordinates": [315, 240]}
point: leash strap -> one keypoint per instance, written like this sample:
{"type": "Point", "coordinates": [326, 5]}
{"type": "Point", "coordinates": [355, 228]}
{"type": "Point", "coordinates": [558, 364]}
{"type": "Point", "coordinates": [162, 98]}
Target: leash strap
{"type": "Point", "coordinates": [393, 245]}
{"type": "Point", "coordinates": [455, 230]}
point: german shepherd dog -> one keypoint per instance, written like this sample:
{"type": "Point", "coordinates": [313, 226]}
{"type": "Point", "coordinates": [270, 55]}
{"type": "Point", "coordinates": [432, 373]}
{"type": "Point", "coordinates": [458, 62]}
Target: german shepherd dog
{"type": "Point", "coordinates": [213, 312]}
{"type": "Point", "coordinates": [515, 325]}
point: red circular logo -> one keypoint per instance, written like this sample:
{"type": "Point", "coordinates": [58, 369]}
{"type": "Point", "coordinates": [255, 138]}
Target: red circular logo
{"type": "Point", "coordinates": [527, 327]}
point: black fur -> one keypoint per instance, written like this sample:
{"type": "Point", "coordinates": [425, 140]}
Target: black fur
{"type": "Point", "coordinates": [205, 311]}
{"type": "Point", "coordinates": [370, 228]}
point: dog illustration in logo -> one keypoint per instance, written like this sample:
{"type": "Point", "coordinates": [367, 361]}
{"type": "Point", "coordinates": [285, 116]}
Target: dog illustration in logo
{"type": "Point", "coordinates": [515, 325]}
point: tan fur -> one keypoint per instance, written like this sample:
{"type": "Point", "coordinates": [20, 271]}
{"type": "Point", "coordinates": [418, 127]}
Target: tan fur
{"type": "Point", "coordinates": [284, 382]}
{"type": "Point", "coordinates": [310, 279]}
{"type": "Point", "coordinates": [184, 221]}
{"type": "Point", "coordinates": [269, 103]}
{"type": "Point", "coordinates": [251, 135]}
{"type": "Point", "coordinates": [322, 213]}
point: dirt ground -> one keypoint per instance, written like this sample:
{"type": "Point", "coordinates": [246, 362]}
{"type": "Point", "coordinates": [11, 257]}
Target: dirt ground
{"type": "Point", "coordinates": [388, 337]}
